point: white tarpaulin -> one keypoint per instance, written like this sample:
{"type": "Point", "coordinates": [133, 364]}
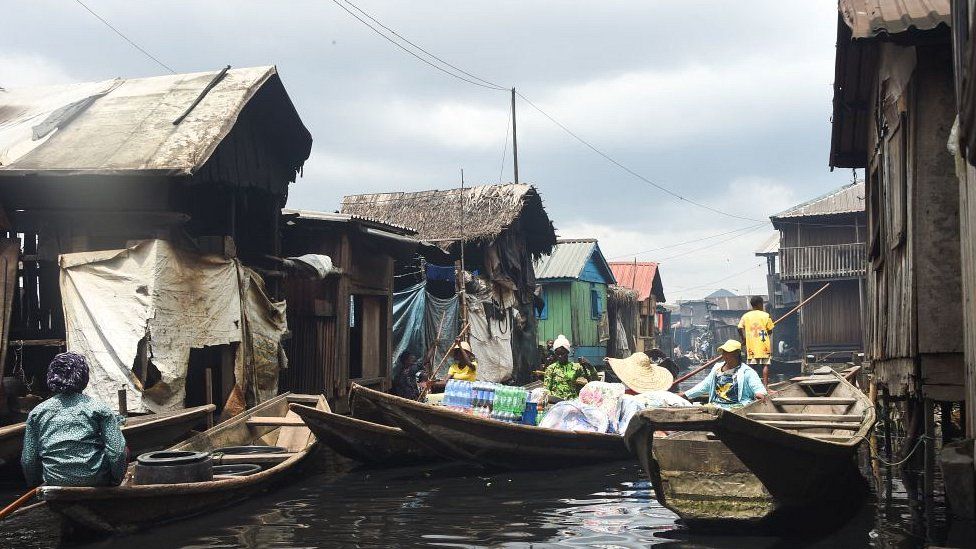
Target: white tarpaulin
{"type": "Point", "coordinates": [491, 342]}
{"type": "Point", "coordinates": [177, 300]}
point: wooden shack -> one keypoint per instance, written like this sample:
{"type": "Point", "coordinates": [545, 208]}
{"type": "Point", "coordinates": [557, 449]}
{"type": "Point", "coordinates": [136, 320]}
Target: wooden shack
{"type": "Point", "coordinates": [501, 229]}
{"type": "Point", "coordinates": [574, 280]}
{"type": "Point", "coordinates": [340, 324]}
{"type": "Point", "coordinates": [203, 160]}
{"type": "Point", "coordinates": [644, 277]}
{"type": "Point", "coordinates": [823, 241]}
{"type": "Point", "coordinates": [893, 111]}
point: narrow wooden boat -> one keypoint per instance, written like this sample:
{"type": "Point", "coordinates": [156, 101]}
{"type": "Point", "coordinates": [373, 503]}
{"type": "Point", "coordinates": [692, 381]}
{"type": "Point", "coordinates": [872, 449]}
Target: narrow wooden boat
{"type": "Point", "coordinates": [789, 457]}
{"type": "Point", "coordinates": [130, 507]}
{"type": "Point", "coordinates": [142, 433]}
{"type": "Point", "coordinates": [364, 441]}
{"type": "Point", "coordinates": [459, 436]}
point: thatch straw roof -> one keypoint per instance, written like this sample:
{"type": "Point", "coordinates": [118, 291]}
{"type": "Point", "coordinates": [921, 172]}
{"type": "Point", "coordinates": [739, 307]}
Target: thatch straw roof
{"type": "Point", "coordinates": [437, 216]}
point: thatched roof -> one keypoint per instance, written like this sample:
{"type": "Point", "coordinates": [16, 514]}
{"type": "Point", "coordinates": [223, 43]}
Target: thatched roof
{"type": "Point", "coordinates": [488, 211]}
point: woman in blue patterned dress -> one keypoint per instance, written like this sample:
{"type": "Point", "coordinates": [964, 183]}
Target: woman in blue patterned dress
{"type": "Point", "coordinates": [72, 439]}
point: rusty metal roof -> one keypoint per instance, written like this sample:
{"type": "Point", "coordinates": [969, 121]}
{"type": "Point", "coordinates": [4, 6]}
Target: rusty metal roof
{"type": "Point", "coordinates": [847, 199]}
{"type": "Point", "coordinates": [871, 18]}
{"type": "Point", "coordinates": [163, 125]}
{"type": "Point", "coordinates": [644, 277]}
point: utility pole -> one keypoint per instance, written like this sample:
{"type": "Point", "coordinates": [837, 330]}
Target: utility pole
{"type": "Point", "coordinates": [514, 138]}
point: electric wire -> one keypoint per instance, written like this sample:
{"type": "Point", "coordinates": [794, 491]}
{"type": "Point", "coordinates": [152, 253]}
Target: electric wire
{"type": "Point", "coordinates": [677, 244]}
{"type": "Point", "coordinates": [409, 51]}
{"type": "Point", "coordinates": [126, 38]}
{"type": "Point", "coordinates": [712, 245]}
{"type": "Point", "coordinates": [501, 168]}
{"type": "Point", "coordinates": [709, 284]}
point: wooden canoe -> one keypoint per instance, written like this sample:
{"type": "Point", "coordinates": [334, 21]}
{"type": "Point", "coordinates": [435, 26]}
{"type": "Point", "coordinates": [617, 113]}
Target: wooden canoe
{"type": "Point", "coordinates": [790, 457]}
{"type": "Point", "coordinates": [142, 433]}
{"type": "Point", "coordinates": [459, 436]}
{"type": "Point", "coordinates": [131, 507]}
{"type": "Point", "coordinates": [364, 441]}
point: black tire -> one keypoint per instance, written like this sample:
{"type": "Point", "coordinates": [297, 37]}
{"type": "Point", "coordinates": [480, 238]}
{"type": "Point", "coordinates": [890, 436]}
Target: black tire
{"type": "Point", "coordinates": [171, 457]}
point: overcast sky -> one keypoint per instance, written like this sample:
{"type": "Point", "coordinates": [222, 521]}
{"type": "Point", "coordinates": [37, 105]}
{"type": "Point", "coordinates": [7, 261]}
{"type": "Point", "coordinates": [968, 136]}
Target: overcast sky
{"type": "Point", "coordinates": [726, 103]}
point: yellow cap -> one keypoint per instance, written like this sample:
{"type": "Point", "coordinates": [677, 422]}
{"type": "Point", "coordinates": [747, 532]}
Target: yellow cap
{"type": "Point", "coordinates": [731, 346]}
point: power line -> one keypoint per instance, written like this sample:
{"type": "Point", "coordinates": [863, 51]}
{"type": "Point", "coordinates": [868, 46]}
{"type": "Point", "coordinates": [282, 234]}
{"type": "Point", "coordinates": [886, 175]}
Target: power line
{"type": "Point", "coordinates": [675, 245]}
{"type": "Point", "coordinates": [709, 284]}
{"type": "Point", "coordinates": [625, 168]}
{"type": "Point", "coordinates": [401, 37]}
{"type": "Point", "coordinates": [409, 51]}
{"type": "Point", "coordinates": [501, 167]}
{"type": "Point", "coordinates": [478, 81]}
{"type": "Point", "coordinates": [712, 245]}
{"type": "Point", "coordinates": [126, 38]}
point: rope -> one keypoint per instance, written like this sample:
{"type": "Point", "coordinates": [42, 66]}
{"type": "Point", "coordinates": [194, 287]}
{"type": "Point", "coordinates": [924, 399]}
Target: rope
{"type": "Point", "coordinates": [910, 454]}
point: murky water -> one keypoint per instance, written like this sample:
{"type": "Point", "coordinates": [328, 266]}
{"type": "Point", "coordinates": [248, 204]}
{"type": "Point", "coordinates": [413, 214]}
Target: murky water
{"type": "Point", "coordinates": [457, 506]}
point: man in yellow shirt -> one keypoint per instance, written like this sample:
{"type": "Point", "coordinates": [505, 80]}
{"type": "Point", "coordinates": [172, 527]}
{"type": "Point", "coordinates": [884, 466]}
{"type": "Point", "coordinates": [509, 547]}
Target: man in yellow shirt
{"type": "Point", "coordinates": [756, 332]}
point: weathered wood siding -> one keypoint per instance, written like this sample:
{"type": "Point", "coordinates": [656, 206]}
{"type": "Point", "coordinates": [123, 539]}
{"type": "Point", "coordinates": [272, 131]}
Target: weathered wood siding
{"type": "Point", "coordinates": [569, 313]}
{"type": "Point", "coordinates": [832, 321]}
{"type": "Point", "coordinates": [586, 329]}
{"type": "Point", "coordinates": [914, 293]}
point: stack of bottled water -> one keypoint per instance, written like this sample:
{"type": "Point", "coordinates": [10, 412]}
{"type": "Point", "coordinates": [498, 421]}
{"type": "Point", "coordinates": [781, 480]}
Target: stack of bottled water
{"type": "Point", "coordinates": [483, 394]}
{"type": "Point", "coordinates": [509, 403]}
{"type": "Point", "coordinates": [458, 395]}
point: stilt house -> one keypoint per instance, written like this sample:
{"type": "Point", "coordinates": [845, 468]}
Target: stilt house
{"type": "Point", "coordinates": [574, 280]}
{"type": "Point", "coordinates": [644, 278]}
{"type": "Point", "coordinates": [200, 162]}
{"type": "Point", "coordinates": [823, 241]}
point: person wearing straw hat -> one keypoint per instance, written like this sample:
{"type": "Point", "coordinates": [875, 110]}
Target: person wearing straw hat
{"type": "Point", "coordinates": [564, 379]}
{"type": "Point", "coordinates": [640, 375]}
{"type": "Point", "coordinates": [464, 367]}
{"type": "Point", "coordinates": [730, 383]}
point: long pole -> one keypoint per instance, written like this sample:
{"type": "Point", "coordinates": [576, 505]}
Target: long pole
{"type": "Point", "coordinates": [460, 281]}
{"type": "Point", "coordinates": [514, 138]}
{"type": "Point", "coordinates": [714, 360]}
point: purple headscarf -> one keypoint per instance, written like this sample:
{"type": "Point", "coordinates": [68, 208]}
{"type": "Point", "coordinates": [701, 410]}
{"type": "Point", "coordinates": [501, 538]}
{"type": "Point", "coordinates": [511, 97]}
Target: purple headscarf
{"type": "Point", "coordinates": [67, 373]}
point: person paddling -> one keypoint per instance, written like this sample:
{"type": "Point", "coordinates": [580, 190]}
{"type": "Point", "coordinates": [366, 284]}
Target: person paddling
{"type": "Point", "coordinates": [756, 332]}
{"type": "Point", "coordinates": [729, 384]}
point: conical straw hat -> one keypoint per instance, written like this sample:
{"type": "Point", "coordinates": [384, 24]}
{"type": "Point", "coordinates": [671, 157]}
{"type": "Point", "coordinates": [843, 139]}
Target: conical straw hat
{"type": "Point", "coordinates": [641, 375]}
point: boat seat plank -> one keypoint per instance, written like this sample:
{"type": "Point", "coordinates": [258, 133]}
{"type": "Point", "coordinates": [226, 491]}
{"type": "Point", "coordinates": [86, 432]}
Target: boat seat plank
{"type": "Point", "coordinates": [813, 400]}
{"type": "Point", "coordinates": [310, 400]}
{"type": "Point", "coordinates": [257, 459]}
{"type": "Point", "coordinates": [817, 382]}
{"type": "Point", "coordinates": [812, 425]}
{"type": "Point", "coordinates": [296, 436]}
{"type": "Point", "coordinates": [275, 421]}
{"type": "Point", "coordinates": [827, 436]}
{"type": "Point", "coordinates": [784, 416]}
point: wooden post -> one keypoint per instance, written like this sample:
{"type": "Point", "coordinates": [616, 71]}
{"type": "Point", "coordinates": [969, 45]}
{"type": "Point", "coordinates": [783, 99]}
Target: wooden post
{"type": "Point", "coordinates": [514, 140]}
{"type": "Point", "coordinates": [123, 403]}
{"type": "Point", "coordinates": [928, 486]}
{"type": "Point", "coordinates": [886, 422]}
{"type": "Point", "coordinates": [208, 387]}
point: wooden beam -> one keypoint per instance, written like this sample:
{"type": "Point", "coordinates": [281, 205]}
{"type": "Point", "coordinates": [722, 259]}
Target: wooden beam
{"type": "Point", "coordinates": [257, 459]}
{"type": "Point", "coordinates": [812, 400]}
{"type": "Point", "coordinates": [813, 425]}
{"type": "Point", "coordinates": [275, 421]}
{"type": "Point", "coordinates": [805, 417]}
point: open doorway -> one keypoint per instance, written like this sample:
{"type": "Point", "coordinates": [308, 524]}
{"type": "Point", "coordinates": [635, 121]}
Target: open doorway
{"type": "Point", "coordinates": [219, 361]}
{"type": "Point", "coordinates": [368, 339]}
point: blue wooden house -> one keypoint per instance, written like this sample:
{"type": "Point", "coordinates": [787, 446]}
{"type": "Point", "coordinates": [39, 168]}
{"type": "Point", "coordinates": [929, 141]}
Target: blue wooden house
{"type": "Point", "coordinates": [574, 280]}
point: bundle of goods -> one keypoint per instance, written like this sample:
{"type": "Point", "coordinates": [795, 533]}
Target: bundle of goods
{"type": "Point", "coordinates": [492, 400]}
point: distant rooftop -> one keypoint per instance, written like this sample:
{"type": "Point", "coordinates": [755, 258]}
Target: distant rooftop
{"type": "Point", "coordinates": [847, 199]}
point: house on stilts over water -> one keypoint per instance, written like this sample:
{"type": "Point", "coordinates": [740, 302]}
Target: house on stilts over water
{"type": "Point", "coordinates": [137, 214]}
{"type": "Point", "coordinates": [497, 231]}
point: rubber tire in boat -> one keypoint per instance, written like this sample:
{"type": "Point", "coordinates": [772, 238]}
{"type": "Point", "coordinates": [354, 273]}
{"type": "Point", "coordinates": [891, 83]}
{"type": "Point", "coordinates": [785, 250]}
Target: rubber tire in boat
{"type": "Point", "coordinates": [247, 450]}
{"type": "Point", "coordinates": [171, 457]}
{"type": "Point", "coordinates": [237, 470]}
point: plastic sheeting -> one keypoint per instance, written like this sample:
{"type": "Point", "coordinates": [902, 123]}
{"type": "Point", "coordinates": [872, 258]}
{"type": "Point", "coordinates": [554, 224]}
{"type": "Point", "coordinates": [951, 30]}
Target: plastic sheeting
{"type": "Point", "coordinates": [409, 308]}
{"type": "Point", "coordinates": [491, 341]}
{"type": "Point", "coordinates": [176, 300]}
{"type": "Point", "coordinates": [441, 329]}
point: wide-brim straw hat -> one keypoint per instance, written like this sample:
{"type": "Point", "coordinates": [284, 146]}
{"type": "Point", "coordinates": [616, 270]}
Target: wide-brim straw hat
{"type": "Point", "coordinates": [641, 375]}
{"type": "Point", "coordinates": [464, 346]}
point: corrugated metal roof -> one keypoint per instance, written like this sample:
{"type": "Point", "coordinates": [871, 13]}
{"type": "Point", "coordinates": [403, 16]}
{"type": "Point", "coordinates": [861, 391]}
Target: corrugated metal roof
{"type": "Point", "coordinates": [731, 303]}
{"type": "Point", "coordinates": [567, 259]}
{"type": "Point", "coordinates": [770, 245]}
{"type": "Point", "coordinates": [870, 18]}
{"type": "Point", "coordinates": [847, 199]}
{"type": "Point", "coordinates": [333, 217]}
{"type": "Point", "coordinates": [642, 277]}
{"type": "Point", "coordinates": [128, 125]}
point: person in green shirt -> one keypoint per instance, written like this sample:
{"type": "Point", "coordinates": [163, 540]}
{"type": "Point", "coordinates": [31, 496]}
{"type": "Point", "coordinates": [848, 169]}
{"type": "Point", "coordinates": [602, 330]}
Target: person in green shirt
{"type": "Point", "coordinates": [72, 439]}
{"type": "Point", "coordinates": [564, 379]}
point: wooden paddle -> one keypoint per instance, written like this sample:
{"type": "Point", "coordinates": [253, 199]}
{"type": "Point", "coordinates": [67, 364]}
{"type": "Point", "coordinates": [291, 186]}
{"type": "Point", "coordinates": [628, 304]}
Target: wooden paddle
{"type": "Point", "coordinates": [18, 503]}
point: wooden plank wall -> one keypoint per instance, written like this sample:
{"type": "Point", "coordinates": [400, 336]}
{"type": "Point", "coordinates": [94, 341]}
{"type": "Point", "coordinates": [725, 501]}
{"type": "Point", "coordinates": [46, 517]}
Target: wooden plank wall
{"type": "Point", "coordinates": [559, 318]}
{"type": "Point", "coordinates": [967, 228]}
{"type": "Point", "coordinates": [832, 319]}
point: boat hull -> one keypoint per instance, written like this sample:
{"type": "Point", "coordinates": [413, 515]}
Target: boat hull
{"type": "Point", "coordinates": [495, 444]}
{"type": "Point", "coordinates": [722, 467]}
{"type": "Point", "coordinates": [364, 441]}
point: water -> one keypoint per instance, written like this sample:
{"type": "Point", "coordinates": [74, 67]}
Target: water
{"type": "Point", "coordinates": [610, 506]}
